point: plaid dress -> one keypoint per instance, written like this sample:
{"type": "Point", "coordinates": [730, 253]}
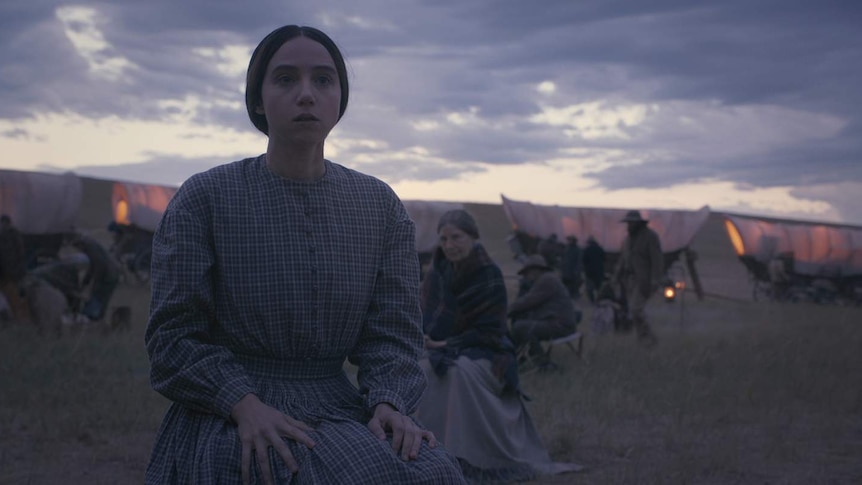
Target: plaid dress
{"type": "Point", "coordinates": [265, 285]}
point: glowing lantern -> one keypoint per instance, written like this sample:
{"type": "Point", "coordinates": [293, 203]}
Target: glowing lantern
{"type": "Point", "coordinates": [669, 293]}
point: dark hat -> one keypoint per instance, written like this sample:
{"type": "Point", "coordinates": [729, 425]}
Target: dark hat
{"type": "Point", "coordinates": [633, 216]}
{"type": "Point", "coordinates": [534, 261]}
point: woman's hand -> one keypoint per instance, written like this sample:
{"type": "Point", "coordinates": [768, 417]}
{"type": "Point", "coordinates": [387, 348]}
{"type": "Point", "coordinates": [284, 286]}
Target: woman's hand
{"type": "Point", "coordinates": [406, 435]}
{"type": "Point", "coordinates": [434, 344]}
{"type": "Point", "coordinates": [260, 427]}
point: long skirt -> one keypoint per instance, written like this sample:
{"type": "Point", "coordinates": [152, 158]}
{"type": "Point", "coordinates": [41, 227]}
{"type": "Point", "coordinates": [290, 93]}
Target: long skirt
{"type": "Point", "coordinates": [492, 435]}
{"type": "Point", "coordinates": [199, 448]}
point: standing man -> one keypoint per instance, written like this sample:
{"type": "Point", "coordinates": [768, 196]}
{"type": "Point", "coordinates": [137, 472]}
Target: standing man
{"type": "Point", "coordinates": [571, 268]}
{"type": "Point", "coordinates": [550, 249]}
{"type": "Point", "coordinates": [639, 272]}
{"type": "Point", "coordinates": [594, 267]}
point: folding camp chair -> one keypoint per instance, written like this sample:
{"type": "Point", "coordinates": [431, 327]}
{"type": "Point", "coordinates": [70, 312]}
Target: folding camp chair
{"type": "Point", "coordinates": [574, 341]}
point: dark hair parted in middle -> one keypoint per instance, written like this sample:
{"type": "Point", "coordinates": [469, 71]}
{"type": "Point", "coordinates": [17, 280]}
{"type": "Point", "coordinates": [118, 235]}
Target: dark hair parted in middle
{"type": "Point", "coordinates": [264, 52]}
{"type": "Point", "coordinates": [460, 219]}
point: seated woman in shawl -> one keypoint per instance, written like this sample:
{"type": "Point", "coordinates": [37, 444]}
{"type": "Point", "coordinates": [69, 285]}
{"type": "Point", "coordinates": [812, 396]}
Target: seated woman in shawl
{"type": "Point", "coordinates": [473, 403]}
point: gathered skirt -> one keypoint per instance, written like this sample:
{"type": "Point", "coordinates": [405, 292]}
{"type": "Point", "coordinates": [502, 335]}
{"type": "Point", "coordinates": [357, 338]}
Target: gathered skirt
{"type": "Point", "coordinates": [199, 448]}
{"type": "Point", "coordinates": [491, 434]}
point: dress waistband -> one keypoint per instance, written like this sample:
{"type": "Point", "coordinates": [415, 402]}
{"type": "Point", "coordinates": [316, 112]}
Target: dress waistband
{"type": "Point", "coordinates": [277, 368]}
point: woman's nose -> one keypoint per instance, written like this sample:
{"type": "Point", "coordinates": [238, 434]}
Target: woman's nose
{"type": "Point", "coordinates": [306, 93]}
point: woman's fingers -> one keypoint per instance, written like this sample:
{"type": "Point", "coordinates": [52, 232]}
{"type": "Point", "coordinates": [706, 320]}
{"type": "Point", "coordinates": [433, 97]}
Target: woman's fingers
{"type": "Point", "coordinates": [397, 426]}
{"type": "Point", "coordinates": [299, 424]}
{"type": "Point", "coordinates": [261, 448]}
{"type": "Point", "coordinates": [432, 440]}
{"type": "Point", "coordinates": [283, 451]}
{"type": "Point", "coordinates": [296, 430]}
{"type": "Point", "coordinates": [245, 462]}
{"type": "Point", "coordinates": [412, 441]}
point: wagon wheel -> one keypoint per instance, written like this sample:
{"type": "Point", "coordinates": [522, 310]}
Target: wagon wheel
{"type": "Point", "coordinates": [761, 290]}
{"type": "Point", "coordinates": [141, 266]}
{"type": "Point", "coordinates": [755, 287]}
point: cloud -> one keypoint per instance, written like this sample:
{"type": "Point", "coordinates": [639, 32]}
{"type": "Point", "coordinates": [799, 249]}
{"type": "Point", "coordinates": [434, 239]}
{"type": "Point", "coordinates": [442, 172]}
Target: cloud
{"type": "Point", "coordinates": [631, 95]}
{"type": "Point", "coordinates": [845, 198]}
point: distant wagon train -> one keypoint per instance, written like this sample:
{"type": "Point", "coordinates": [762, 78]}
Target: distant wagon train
{"type": "Point", "coordinates": [42, 207]}
{"type": "Point", "coordinates": [676, 229]}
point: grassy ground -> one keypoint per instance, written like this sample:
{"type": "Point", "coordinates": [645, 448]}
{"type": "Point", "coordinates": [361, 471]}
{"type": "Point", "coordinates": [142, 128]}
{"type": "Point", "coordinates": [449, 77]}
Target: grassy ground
{"type": "Point", "coordinates": [736, 392]}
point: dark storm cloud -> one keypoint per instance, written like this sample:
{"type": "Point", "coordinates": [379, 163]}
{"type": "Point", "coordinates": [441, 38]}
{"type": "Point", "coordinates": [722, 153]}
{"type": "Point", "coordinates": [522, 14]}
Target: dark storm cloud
{"type": "Point", "coordinates": [422, 61]}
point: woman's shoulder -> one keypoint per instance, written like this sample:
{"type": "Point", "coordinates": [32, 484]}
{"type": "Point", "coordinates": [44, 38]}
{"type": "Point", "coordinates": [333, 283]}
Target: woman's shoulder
{"type": "Point", "coordinates": [368, 191]}
{"type": "Point", "coordinates": [197, 189]}
{"type": "Point", "coordinates": [485, 264]}
{"type": "Point", "coordinates": [227, 172]}
{"type": "Point", "coordinates": [356, 178]}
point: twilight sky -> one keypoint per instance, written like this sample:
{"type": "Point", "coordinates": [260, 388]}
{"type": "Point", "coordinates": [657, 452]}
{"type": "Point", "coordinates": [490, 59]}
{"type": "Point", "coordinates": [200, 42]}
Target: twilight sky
{"type": "Point", "coordinates": [749, 106]}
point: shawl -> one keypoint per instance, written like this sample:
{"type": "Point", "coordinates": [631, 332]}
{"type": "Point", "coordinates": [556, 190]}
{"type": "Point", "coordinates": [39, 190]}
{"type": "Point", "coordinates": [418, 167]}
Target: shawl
{"type": "Point", "coordinates": [465, 305]}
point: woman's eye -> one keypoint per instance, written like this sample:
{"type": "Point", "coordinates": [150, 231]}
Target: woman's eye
{"type": "Point", "coordinates": [284, 79]}
{"type": "Point", "coordinates": [324, 80]}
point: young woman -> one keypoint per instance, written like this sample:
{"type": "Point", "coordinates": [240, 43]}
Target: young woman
{"type": "Point", "coordinates": [267, 274]}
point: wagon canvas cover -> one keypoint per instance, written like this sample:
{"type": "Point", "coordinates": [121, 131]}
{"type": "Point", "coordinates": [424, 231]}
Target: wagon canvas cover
{"type": "Point", "coordinates": [40, 203]}
{"type": "Point", "coordinates": [675, 228]}
{"type": "Point", "coordinates": [141, 205]}
{"type": "Point", "coordinates": [818, 249]}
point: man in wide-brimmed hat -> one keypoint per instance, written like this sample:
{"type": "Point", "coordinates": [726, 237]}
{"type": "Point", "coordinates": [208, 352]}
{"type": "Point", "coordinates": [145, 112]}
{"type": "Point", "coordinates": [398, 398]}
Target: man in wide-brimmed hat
{"type": "Point", "coordinates": [639, 271]}
{"type": "Point", "coordinates": [545, 312]}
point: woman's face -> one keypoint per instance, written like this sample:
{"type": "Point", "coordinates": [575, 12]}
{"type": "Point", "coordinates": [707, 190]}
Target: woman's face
{"type": "Point", "coordinates": [300, 94]}
{"type": "Point", "coordinates": [456, 244]}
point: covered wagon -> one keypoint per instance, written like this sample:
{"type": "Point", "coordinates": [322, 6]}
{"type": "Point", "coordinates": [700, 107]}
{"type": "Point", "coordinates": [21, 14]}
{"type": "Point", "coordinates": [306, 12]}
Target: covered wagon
{"type": "Point", "coordinates": [137, 210]}
{"type": "Point", "coordinates": [42, 206]}
{"type": "Point", "coordinates": [811, 254]}
{"type": "Point", "coordinates": [675, 228]}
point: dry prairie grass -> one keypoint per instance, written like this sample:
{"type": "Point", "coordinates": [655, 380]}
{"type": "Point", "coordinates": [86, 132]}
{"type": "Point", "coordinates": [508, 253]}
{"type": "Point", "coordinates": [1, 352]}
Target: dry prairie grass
{"type": "Point", "coordinates": [736, 392]}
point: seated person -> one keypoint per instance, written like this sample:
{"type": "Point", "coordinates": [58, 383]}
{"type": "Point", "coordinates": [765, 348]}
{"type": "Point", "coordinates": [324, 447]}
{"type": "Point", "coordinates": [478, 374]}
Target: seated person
{"type": "Point", "coordinates": [102, 275]}
{"type": "Point", "coordinates": [545, 312]}
{"type": "Point", "coordinates": [608, 313]}
{"type": "Point", "coordinates": [473, 402]}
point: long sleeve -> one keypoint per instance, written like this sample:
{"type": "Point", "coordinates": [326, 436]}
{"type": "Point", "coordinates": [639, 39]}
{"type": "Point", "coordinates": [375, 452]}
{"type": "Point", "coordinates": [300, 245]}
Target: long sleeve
{"type": "Point", "coordinates": [541, 291]}
{"type": "Point", "coordinates": [187, 366]}
{"type": "Point", "coordinates": [391, 341]}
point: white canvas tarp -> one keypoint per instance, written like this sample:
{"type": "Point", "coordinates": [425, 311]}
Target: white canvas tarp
{"type": "Point", "coordinates": [675, 228]}
{"type": "Point", "coordinates": [140, 204]}
{"type": "Point", "coordinates": [818, 250]}
{"type": "Point", "coordinates": [426, 215]}
{"type": "Point", "coordinates": [40, 203]}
